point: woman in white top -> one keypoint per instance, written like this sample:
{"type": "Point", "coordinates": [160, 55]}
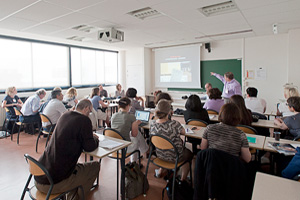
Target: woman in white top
{"type": "Point", "coordinates": [119, 92]}
{"type": "Point", "coordinates": [283, 108]}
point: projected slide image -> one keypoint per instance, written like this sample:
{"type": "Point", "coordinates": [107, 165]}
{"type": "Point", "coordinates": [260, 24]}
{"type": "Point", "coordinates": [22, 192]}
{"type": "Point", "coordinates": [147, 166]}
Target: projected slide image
{"type": "Point", "coordinates": [175, 72]}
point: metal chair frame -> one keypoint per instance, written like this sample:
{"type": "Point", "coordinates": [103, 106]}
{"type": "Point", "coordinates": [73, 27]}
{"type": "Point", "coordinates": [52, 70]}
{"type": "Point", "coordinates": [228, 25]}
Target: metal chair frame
{"type": "Point", "coordinates": [44, 118]}
{"type": "Point", "coordinates": [7, 120]}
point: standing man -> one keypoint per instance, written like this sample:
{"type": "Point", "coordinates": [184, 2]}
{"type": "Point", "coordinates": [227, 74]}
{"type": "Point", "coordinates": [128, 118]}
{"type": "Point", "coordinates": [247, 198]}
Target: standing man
{"type": "Point", "coordinates": [31, 107]}
{"type": "Point", "coordinates": [72, 135]}
{"type": "Point", "coordinates": [55, 108]}
{"type": "Point", "coordinates": [231, 86]}
{"type": "Point", "coordinates": [208, 86]}
{"type": "Point", "coordinates": [103, 93]}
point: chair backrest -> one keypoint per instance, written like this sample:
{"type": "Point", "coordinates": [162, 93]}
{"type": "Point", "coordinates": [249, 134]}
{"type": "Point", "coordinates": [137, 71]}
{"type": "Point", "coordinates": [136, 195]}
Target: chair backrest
{"type": "Point", "coordinates": [161, 142]}
{"type": "Point", "coordinates": [297, 138]}
{"type": "Point", "coordinates": [7, 110]}
{"type": "Point", "coordinates": [113, 133]}
{"type": "Point", "coordinates": [213, 112]}
{"type": "Point", "coordinates": [247, 129]}
{"type": "Point", "coordinates": [45, 119]}
{"type": "Point", "coordinates": [197, 122]}
{"type": "Point", "coordinates": [18, 112]}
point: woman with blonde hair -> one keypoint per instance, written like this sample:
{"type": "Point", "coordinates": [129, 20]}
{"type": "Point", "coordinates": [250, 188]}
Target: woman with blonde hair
{"type": "Point", "coordinates": [282, 108]}
{"type": "Point", "coordinates": [119, 93]}
{"type": "Point", "coordinates": [70, 97]}
{"type": "Point", "coordinates": [11, 100]}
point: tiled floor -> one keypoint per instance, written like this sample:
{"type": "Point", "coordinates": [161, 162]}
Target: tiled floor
{"type": "Point", "coordinates": [14, 171]}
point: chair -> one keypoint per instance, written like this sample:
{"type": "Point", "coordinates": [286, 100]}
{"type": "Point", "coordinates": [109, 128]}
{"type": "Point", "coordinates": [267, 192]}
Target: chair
{"type": "Point", "coordinates": [297, 138]}
{"type": "Point", "coordinates": [164, 143]}
{"type": "Point", "coordinates": [19, 113]}
{"type": "Point", "coordinates": [249, 130]}
{"type": "Point", "coordinates": [44, 119]}
{"type": "Point", "coordinates": [213, 112]}
{"type": "Point", "coordinates": [116, 134]}
{"type": "Point", "coordinates": [195, 142]}
{"type": "Point", "coordinates": [37, 169]}
{"type": "Point", "coordinates": [7, 120]}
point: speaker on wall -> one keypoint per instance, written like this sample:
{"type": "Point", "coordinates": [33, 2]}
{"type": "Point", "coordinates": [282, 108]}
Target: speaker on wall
{"type": "Point", "coordinates": [207, 46]}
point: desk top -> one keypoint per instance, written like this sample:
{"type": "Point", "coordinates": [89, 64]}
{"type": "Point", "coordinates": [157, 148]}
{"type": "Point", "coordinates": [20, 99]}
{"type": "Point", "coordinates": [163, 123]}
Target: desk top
{"type": "Point", "coordinates": [272, 187]}
{"type": "Point", "coordinates": [101, 152]}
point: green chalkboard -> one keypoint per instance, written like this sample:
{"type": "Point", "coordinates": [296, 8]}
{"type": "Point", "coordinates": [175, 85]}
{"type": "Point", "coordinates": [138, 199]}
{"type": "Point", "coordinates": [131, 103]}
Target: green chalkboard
{"type": "Point", "coordinates": [217, 66]}
{"type": "Point", "coordinates": [220, 67]}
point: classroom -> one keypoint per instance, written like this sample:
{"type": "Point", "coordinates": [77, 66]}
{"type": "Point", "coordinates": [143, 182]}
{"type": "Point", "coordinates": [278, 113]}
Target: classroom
{"type": "Point", "coordinates": [112, 42]}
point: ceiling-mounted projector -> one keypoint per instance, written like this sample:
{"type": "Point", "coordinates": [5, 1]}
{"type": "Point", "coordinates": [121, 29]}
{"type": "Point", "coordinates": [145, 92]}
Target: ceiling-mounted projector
{"type": "Point", "coordinates": [111, 35]}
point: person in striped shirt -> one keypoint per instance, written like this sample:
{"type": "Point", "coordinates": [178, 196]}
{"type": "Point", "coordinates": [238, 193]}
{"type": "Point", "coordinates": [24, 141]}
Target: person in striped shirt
{"type": "Point", "coordinates": [225, 136]}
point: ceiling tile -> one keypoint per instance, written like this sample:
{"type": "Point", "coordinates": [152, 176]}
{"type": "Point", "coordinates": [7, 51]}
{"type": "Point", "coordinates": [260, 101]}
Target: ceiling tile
{"type": "Point", "coordinates": [17, 24]}
{"type": "Point", "coordinates": [8, 7]}
{"type": "Point", "coordinates": [44, 29]}
{"type": "Point", "coordinates": [74, 4]}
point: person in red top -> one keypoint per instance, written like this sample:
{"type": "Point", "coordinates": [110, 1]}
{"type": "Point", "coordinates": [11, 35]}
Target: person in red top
{"type": "Point", "coordinates": [72, 134]}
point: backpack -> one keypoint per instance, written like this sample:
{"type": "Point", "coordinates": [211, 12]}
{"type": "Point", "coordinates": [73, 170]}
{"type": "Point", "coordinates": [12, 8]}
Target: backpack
{"type": "Point", "coordinates": [134, 181]}
{"type": "Point", "coordinates": [183, 190]}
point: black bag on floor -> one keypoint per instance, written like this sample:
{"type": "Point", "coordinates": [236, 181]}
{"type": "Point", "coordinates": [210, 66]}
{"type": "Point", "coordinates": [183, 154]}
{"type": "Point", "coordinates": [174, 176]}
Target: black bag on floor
{"type": "Point", "coordinates": [134, 181]}
{"type": "Point", "coordinates": [183, 190]}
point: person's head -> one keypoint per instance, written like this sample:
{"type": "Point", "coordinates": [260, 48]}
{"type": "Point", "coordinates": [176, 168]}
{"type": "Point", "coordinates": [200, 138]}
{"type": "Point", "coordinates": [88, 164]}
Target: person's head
{"type": "Point", "coordinates": [215, 93]}
{"type": "Point", "coordinates": [294, 103]}
{"type": "Point", "coordinates": [57, 94]}
{"type": "Point", "coordinates": [95, 92]}
{"type": "Point", "coordinates": [230, 114]}
{"type": "Point", "coordinates": [84, 106]}
{"type": "Point", "coordinates": [71, 92]}
{"type": "Point", "coordinates": [228, 76]}
{"type": "Point", "coordinates": [238, 100]}
{"type": "Point", "coordinates": [131, 92]}
{"type": "Point", "coordinates": [119, 87]}
{"type": "Point", "coordinates": [193, 103]}
{"type": "Point", "coordinates": [208, 86]}
{"type": "Point", "coordinates": [156, 93]}
{"type": "Point", "coordinates": [100, 87]}
{"type": "Point", "coordinates": [41, 93]}
{"type": "Point", "coordinates": [162, 109]}
{"type": "Point", "coordinates": [124, 103]}
{"type": "Point", "coordinates": [251, 92]}
{"type": "Point", "coordinates": [290, 92]}
{"type": "Point", "coordinates": [163, 95]}
{"type": "Point", "coordinates": [11, 91]}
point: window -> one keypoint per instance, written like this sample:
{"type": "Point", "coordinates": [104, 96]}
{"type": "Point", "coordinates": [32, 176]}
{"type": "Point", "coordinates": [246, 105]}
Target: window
{"type": "Point", "coordinates": [36, 64]}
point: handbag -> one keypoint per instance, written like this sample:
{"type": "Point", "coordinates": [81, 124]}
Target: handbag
{"type": "Point", "coordinates": [134, 181]}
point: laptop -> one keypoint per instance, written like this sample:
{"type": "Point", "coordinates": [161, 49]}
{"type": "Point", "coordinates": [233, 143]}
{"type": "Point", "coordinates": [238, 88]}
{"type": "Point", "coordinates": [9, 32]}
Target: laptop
{"type": "Point", "coordinates": [143, 116]}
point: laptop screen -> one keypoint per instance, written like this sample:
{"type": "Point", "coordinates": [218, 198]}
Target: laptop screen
{"type": "Point", "coordinates": [142, 115]}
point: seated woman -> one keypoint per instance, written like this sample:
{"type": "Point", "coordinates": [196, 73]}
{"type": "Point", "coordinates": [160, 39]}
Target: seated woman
{"type": "Point", "coordinates": [137, 103]}
{"type": "Point", "coordinates": [98, 103]}
{"type": "Point", "coordinates": [172, 130]}
{"type": "Point", "coordinates": [282, 108]}
{"type": "Point", "coordinates": [10, 101]}
{"type": "Point", "coordinates": [194, 110]}
{"type": "Point", "coordinates": [246, 114]}
{"type": "Point", "coordinates": [127, 125]}
{"type": "Point", "coordinates": [70, 97]}
{"type": "Point", "coordinates": [215, 101]}
{"type": "Point", "coordinates": [225, 136]}
{"type": "Point", "coordinates": [166, 96]}
{"type": "Point", "coordinates": [292, 123]}
{"type": "Point", "coordinates": [119, 93]}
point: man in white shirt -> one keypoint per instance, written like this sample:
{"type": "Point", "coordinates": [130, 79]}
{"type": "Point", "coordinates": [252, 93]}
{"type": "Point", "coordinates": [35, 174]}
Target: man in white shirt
{"type": "Point", "coordinates": [31, 107]}
{"type": "Point", "coordinates": [55, 107]}
{"type": "Point", "coordinates": [253, 103]}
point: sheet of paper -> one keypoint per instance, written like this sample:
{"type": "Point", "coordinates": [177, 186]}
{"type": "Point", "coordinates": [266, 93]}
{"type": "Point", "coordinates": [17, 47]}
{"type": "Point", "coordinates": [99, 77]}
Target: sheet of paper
{"type": "Point", "coordinates": [295, 145]}
{"type": "Point", "coordinates": [188, 130]}
{"type": "Point", "coordinates": [109, 144]}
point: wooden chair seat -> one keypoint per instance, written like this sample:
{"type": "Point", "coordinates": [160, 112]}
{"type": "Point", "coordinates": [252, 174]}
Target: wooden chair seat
{"type": "Point", "coordinates": [165, 164]}
{"type": "Point", "coordinates": [34, 193]}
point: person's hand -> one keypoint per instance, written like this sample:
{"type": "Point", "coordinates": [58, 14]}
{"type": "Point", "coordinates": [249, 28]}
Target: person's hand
{"type": "Point", "coordinates": [212, 73]}
{"type": "Point", "coordinates": [19, 105]}
{"type": "Point", "coordinates": [138, 122]}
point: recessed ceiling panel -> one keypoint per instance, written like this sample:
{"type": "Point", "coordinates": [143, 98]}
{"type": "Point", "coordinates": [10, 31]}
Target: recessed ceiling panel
{"type": "Point", "coordinates": [8, 7]}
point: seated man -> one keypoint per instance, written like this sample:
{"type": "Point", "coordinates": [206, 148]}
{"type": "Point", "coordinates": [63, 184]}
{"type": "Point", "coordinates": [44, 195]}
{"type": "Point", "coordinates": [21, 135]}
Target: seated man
{"type": "Point", "coordinates": [253, 103]}
{"type": "Point", "coordinates": [103, 93]}
{"type": "Point", "coordinates": [208, 86]}
{"type": "Point", "coordinates": [31, 107]}
{"type": "Point", "coordinates": [55, 108]}
{"type": "Point", "coordinates": [72, 135]}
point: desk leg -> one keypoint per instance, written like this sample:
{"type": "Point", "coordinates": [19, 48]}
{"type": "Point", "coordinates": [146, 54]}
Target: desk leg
{"type": "Point", "coordinates": [117, 175]}
{"type": "Point", "coordinates": [123, 174]}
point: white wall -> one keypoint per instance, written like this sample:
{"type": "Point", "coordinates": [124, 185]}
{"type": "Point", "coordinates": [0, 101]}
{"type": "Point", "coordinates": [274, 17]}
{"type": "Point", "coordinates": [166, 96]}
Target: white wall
{"type": "Point", "coordinates": [294, 57]}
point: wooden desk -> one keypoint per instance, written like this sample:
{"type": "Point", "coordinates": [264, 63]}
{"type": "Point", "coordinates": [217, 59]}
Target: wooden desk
{"type": "Point", "coordinates": [113, 108]}
{"type": "Point", "coordinates": [101, 152]}
{"type": "Point", "coordinates": [275, 188]}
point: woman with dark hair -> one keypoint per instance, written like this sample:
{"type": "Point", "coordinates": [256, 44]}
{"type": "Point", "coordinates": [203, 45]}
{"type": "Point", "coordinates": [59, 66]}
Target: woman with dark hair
{"type": "Point", "coordinates": [246, 114]}
{"type": "Point", "coordinates": [194, 109]}
{"type": "Point", "coordinates": [172, 130]}
{"type": "Point", "coordinates": [225, 136]}
{"type": "Point", "coordinates": [128, 127]}
{"type": "Point", "coordinates": [166, 96]}
{"type": "Point", "coordinates": [215, 101]}
{"type": "Point", "coordinates": [137, 103]}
